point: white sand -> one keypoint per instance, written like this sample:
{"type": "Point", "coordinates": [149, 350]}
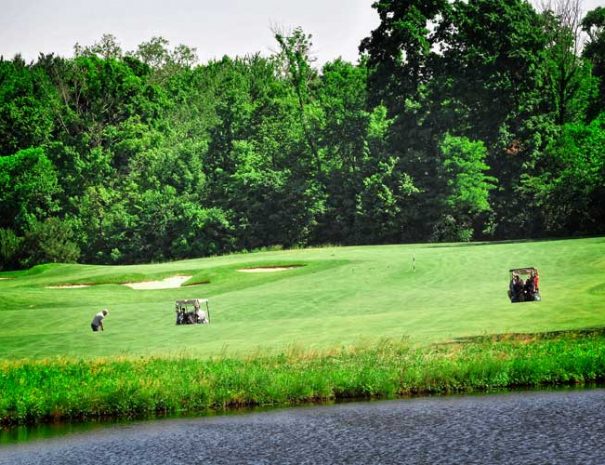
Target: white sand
{"type": "Point", "coordinates": [168, 283]}
{"type": "Point", "coordinates": [267, 269]}
{"type": "Point", "coordinates": [68, 286]}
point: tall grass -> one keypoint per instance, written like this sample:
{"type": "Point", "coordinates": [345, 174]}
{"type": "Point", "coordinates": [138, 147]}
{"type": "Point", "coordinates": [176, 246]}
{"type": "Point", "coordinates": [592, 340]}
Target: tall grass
{"type": "Point", "coordinates": [34, 391]}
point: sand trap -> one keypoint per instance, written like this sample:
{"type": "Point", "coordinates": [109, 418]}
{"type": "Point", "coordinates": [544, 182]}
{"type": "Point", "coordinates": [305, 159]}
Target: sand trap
{"type": "Point", "coordinates": [267, 269]}
{"type": "Point", "coordinates": [168, 283]}
{"type": "Point", "coordinates": [68, 286]}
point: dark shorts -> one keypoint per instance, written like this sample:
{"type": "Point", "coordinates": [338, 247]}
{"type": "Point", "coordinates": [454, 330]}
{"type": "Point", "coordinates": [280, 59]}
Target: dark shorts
{"type": "Point", "coordinates": [94, 327]}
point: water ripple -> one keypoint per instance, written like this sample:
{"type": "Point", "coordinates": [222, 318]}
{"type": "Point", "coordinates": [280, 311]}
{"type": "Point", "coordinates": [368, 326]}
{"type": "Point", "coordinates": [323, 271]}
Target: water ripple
{"type": "Point", "coordinates": [519, 428]}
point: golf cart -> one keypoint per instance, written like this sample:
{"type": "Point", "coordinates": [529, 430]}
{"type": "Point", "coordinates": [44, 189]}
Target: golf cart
{"type": "Point", "coordinates": [192, 312]}
{"type": "Point", "coordinates": [524, 285]}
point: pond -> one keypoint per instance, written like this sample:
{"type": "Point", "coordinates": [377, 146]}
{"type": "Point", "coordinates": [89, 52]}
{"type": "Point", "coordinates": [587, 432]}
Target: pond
{"type": "Point", "coordinates": [550, 427]}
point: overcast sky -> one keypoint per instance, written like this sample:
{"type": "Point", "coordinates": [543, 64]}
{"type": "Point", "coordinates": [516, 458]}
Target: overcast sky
{"type": "Point", "coordinates": [214, 27]}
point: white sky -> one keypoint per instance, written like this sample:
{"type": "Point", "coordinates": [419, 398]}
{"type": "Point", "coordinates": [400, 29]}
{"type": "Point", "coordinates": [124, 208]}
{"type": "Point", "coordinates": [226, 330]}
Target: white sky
{"type": "Point", "coordinates": [214, 27]}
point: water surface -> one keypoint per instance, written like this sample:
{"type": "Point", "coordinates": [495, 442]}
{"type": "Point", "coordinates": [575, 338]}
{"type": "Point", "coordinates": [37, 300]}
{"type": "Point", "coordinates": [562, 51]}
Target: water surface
{"type": "Point", "coordinates": [561, 427]}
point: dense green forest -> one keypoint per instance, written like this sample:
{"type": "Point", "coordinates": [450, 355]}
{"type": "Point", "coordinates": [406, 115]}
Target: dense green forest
{"type": "Point", "coordinates": [462, 120]}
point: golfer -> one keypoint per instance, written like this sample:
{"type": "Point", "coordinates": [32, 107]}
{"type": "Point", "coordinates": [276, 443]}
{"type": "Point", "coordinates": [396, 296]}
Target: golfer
{"type": "Point", "coordinates": [97, 321]}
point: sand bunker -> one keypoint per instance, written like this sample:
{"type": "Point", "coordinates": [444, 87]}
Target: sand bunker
{"type": "Point", "coordinates": [168, 283]}
{"type": "Point", "coordinates": [267, 269]}
{"type": "Point", "coordinates": [68, 286]}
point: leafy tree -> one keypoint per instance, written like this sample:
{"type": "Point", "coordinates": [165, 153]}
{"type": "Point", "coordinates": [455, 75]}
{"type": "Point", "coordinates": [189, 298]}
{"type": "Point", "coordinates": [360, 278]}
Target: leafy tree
{"type": "Point", "coordinates": [271, 206]}
{"type": "Point", "coordinates": [103, 102]}
{"type": "Point", "coordinates": [233, 111]}
{"type": "Point", "coordinates": [295, 49]}
{"type": "Point", "coordinates": [50, 240]}
{"type": "Point", "coordinates": [124, 157]}
{"type": "Point", "coordinates": [26, 106]}
{"type": "Point", "coordinates": [568, 195]}
{"type": "Point", "coordinates": [343, 141]}
{"type": "Point", "coordinates": [165, 62]}
{"type": "Point", "coordinates": [380, 204]}
{"type": "Point", "coordinates": [107, 47]}
{"type": "Point", "coordinates": [568, 76]}
{"type": "Point", "coordinates": [104, 223]}
{"type": "Point", "coordinates": [258, 159]}
{"type": "Point", "coordinates": [493, 52]}
{"type": "Point", "coordinates": [593, 24]}
{"type": "Point", "coordinates": [11, 247]}
{"type": "Point", "coordinates": [167, 226]}
{"type": "Point", "coordinates": [203, 232]}
{"type": "Point", "coordinates": [28, 189]}
{"type": "Point", "coordinates": [400, 48]}
{"type": "Point", "coordinates": [467, 192]}
{"type": "Point", "coordinates": [472, 68]}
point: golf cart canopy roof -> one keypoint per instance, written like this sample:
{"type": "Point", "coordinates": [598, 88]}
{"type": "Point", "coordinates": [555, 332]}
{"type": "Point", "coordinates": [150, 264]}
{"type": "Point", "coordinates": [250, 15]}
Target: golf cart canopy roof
{"type": "Point", "coordinates": [528, 270]}
{"type": "Point", "coordinates": [191, 301]}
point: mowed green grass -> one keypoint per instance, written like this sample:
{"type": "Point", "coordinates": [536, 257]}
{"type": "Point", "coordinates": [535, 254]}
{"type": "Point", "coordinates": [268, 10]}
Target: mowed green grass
{"type": "Point", "coordinates": [341, 296]}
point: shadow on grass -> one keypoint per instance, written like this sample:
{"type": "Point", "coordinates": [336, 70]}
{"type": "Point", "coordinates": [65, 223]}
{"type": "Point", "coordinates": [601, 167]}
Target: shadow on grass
{"type": "Point", "coordinates": [506, 241]}
{"type": "Point", "coordinates": [595, 331]}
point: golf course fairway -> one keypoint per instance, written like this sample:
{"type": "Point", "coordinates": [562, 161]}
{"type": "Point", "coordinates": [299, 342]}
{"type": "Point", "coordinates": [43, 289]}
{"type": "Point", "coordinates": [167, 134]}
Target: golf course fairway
{"type": "Point", "coordinates": [317, 298]}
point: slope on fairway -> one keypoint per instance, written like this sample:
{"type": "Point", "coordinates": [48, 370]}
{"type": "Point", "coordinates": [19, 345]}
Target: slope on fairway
{"type": "Point", "coordinates": [342, 295]}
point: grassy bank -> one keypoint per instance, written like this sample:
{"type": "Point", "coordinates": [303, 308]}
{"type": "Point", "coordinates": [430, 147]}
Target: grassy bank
{"type": "Point", "coordinates": [62, 388]}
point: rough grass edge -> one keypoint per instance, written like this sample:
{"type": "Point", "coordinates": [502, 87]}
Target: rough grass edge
{"type": "Point", "coordinates": [63, 389]}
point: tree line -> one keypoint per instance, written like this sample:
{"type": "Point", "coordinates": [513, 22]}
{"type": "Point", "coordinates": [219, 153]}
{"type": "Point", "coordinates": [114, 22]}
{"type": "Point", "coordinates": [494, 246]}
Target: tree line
{"type": "Point", "coordinates": [462, 120]}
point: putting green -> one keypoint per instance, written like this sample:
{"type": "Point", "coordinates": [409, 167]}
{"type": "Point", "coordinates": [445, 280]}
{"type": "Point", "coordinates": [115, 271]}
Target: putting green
{"type": "Point", "coordinates": [342, 295]}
